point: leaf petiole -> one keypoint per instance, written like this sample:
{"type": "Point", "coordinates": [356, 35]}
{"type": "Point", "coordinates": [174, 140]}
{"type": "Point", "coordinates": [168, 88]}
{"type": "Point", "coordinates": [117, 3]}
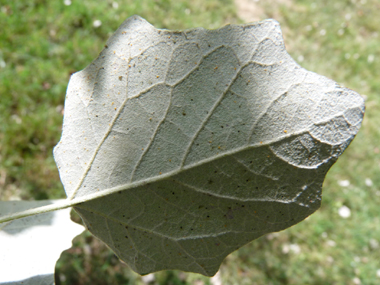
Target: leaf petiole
{"type": "Point", "coordinates": [39, 210]}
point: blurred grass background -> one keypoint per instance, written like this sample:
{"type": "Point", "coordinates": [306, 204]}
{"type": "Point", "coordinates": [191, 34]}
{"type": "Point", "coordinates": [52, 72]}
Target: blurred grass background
{"type": "Point", "coordinates": [43, 42]}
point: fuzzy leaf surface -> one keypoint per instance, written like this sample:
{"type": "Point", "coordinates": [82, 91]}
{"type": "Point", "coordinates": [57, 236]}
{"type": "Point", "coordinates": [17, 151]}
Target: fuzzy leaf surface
{"type": "Point", "coordinates": [185, 145]}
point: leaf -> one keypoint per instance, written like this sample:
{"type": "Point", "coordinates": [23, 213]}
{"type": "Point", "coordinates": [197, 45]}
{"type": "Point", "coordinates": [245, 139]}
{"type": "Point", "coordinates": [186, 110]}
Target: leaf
{"type": "Point", "coordinates": [42, 237]}
{"type": "Point", "coordinates": [184, 146]}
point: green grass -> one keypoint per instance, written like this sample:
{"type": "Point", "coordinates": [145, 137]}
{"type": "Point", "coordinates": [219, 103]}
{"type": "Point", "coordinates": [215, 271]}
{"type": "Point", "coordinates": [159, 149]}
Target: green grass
{"type": "Point", "coordinates": [43, 42]}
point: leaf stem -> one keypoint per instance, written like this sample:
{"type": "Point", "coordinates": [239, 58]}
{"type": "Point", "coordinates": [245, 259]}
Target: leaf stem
{"type": "Point", "coordinates": [35, 211]}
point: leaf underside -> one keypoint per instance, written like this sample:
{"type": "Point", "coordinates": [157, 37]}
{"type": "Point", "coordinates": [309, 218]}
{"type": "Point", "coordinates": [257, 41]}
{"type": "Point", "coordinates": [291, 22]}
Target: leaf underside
{"type": "Point", "coordinates": [187, 145]}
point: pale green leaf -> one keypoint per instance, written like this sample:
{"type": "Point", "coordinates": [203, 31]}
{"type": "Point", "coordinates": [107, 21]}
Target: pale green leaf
{"type": "Point", "coordinates": [185, 145]}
